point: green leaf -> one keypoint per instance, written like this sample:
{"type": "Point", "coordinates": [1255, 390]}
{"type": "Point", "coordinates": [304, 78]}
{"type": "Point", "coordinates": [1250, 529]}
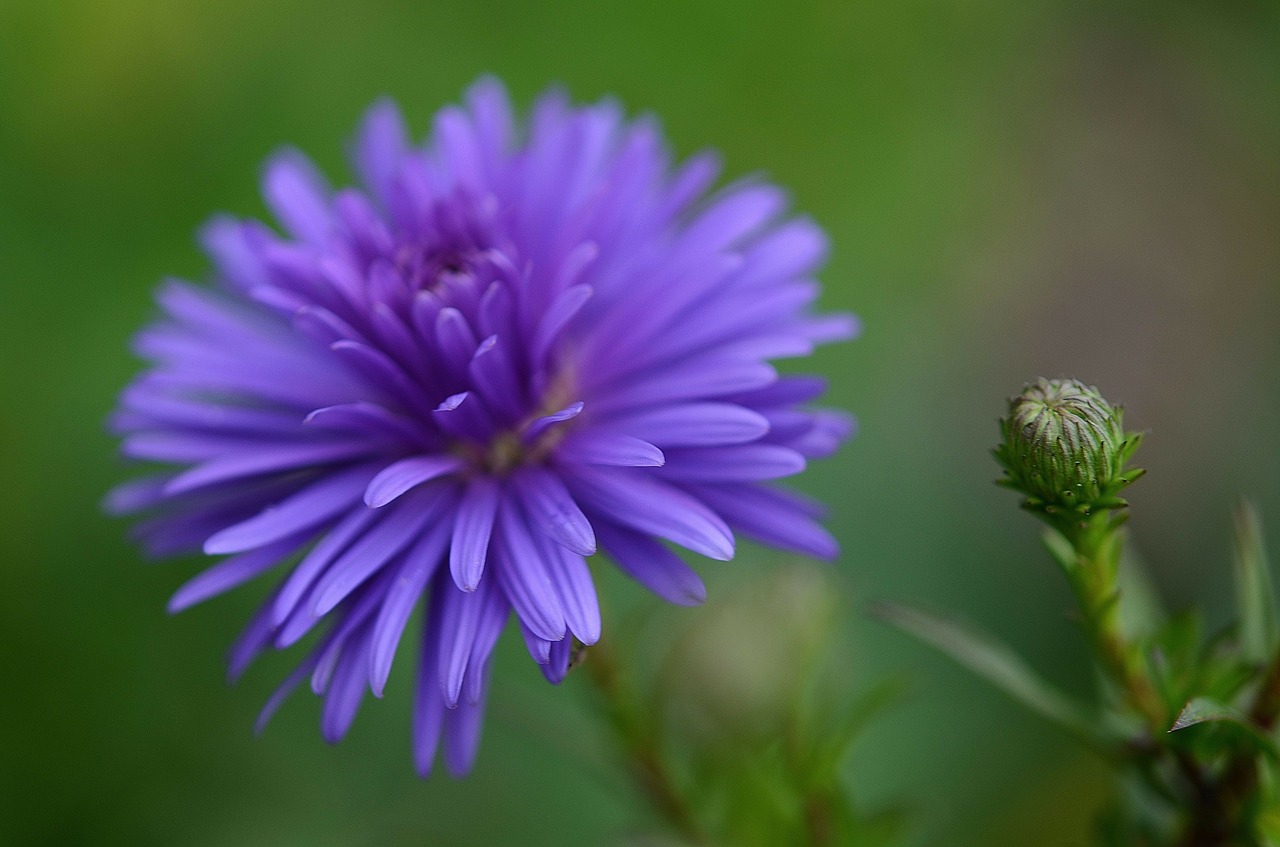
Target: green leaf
{"type": "Point", "coordinates": [1061, 550]}
{"type": "Point", "coordinates": [833, 746]}
{"type": "Point", "coordinates": [1141, 612]}
{"type": "Point", "coordinates": [1202, 710]}
{"type": "Point", "coordinates": [994, 662]}
{"type": "Point", "coordinates": [1259, 627]}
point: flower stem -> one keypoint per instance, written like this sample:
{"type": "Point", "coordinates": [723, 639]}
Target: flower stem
{"type": "Point", "coordinates": [640, 740]}
{"type": "Point", "coordinates": [1097, 542]}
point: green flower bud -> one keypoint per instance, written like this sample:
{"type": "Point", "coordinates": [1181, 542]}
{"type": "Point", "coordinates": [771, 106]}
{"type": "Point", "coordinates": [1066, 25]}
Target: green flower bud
{"type": "Point", "coordinates": [1065, 448]}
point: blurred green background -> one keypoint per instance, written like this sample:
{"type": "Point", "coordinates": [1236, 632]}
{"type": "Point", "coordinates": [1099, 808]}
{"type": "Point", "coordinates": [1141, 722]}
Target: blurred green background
{"type": "Point", "coordinates": [1013, 188]}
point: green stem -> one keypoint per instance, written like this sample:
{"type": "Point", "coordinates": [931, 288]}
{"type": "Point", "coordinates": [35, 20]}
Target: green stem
{"type": "Point", "coordinates": [1097, 543]}
{"type": "Point", "coordinates": [640, 740]}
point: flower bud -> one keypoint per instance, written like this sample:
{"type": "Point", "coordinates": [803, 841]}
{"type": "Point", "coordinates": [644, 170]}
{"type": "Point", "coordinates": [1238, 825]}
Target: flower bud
{"type": "Point", "coordinates": [1065, 447]}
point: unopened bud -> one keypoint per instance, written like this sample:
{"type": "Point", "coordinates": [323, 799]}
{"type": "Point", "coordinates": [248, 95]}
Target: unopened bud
{"type": "Point", "coordinates": [1065, 448]}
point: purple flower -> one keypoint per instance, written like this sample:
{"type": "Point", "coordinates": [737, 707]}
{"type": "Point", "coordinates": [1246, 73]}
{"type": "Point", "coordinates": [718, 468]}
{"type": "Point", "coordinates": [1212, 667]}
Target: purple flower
{"type": "Point", "coordinates": [511, 348]}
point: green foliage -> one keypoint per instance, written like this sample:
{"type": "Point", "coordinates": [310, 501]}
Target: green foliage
{"type": "Point", "coordinates": [996, 663]}
{"type": "Point", "coordinates": [1259, 629]}
{"type": "Point", "coordinates": [1191, 718]}
{"type": "Point", "coordinates": [758, 756]}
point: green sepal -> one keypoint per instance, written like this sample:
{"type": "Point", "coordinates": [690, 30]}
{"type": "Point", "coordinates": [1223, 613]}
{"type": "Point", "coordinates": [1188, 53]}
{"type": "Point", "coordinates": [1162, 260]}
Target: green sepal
{"type": "Point", "coordinates": [995, 662]}
{"type": "Point", "coordinates": [1259, 625]}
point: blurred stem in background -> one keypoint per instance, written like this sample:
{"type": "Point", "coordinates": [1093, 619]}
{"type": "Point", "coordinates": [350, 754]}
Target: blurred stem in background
{"type": "Point", "coordinates": [740, 734]}
{"type": "Point", "coordinates": [1186, 721]}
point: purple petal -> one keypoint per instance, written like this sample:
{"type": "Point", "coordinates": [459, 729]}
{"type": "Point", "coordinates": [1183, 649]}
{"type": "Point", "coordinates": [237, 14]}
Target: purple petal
{"type": "Point", "coordinates": [539, 648]}
{"type": "Point", "coordinates": [379, 147]}
{"type": "Point", "coordinates": [345, 693]}
{"type": "Point", "coordinates": [267, 459]}
{"type": "Point", "coordinates": [454, 336]}
{"type": "Point", "coordinates": [697, 379]}
{"type": "Point", "coordinates": [428, 705]}
{"type": "Point", "coordinates": [771, 518]}
{"type": "Point", "coordinates": [397, 478]}
{"type": "Point", "coordinates": [493, 618]}
{"type": "Point", "coordinates": [603, 448]}
{"type": "Point", "coordinates": [741, 463]}
{"type": "Point", "coordinates": [298, 196]}
{"type": "Point", "coordinates": [376, 547]}
{"type": "Point", "coordinates": [524, 578]}
{"type": "Point", "coordinates": [419, 564]}
{"type": "Point", "coordinates": [462, 735]}
{"type": "Point", "coordinates": [557, 665]}
{"type": "Point", "coordinates": [549, 504]}
{"type": "Point", "coordinates": [304, 574]}
{"type": "Point", "coordinates": [461, 612]}
{"type": "Point", "coordinates": [367, 419]}
{"type": "Point", "coordinates": [562, 309]}
{"type": "Point", "coordinates": [309, 507]}
{"type": "Point", "coordinates": [494, 377]}
{"type": "Point", "coordinates": [471, 532]}
{"type": "Point", "coordinates": [232, 572]}
{"type": "Point", "coordinates": [694, 425]}
{"type": "Point", "coordinates": [652, 565]}
{"type": "Point", "coordinates": [577, 592]}
{"type": "Point", "coordinates": [636, 500]}
{"type": "Point", "coordinates": [536, 427]}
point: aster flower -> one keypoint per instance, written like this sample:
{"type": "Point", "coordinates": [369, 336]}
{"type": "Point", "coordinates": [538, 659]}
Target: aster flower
{"type": "Point", "coordinates": [508, 350]}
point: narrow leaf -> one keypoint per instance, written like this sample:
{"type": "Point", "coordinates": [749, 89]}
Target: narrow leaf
{"type": "Point", "coordinates": [1259, 627]}
{"type": "Point", "coordinates": [1202, 710]}
{"type": "Point", "coordinates": [994, 662]}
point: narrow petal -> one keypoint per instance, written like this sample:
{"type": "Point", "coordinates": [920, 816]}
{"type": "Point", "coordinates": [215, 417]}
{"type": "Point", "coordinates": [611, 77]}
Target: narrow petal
{"type": "Point", "coordinates": [524, 577]}
{"type": "Point", "coordinates": [533, 430]}
{"type": "Point", "coordinates": [462, 735]}
{"type": "Point", "coordinates": [379, 147]}
{"type": "Point", "coordinates": [462, 612]}
{"type": "Point", "coordinates": [652, 565]}
{"type": "Point", "coordinates": [604, 448]}
{"type": "Point", "coordinates": [557, 665]}
{"type": "Point", "coordinates": [651, 506]}
{"type": "Point", "coordinates": [346, 692]}
{"type": "Point", "coordinates": [572, 579]}
{"type": "Point", "coordinates": [397, 478]}
{"type": "Point", "coordinates": [376, 547]}
{"type": "Point", "coordinates": [304, 574]}
{"type": "Point", "coordinates": [420, 563]}
{"type": "Point", "coordinates": [771, 518]}
{"type": "Point", "coordinates": [550, 504]}
{"type": "Point", "coordinates": [268, 459]}
{"type": "Point", "coordinates": [232, 572]}
{"type": "Point", "coordinates": [558, 315]}
{"type": "Point", "coordinates": [310, 507]}
{"type": "Point", "coordinates": [694, 425]}
{"type": "Point", "coordinates": [298, 196]}
{"type": "Point", "coordinates": [471, 532]}
{"type": "Point", "coordinates": [428, 705]}
{"type": "Point", "coordinates": [744, 463]}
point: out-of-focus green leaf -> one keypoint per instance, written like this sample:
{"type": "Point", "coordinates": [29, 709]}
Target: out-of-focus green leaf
{"type": "Point", "coordinates": [1141, 610]}
{"type": "Point", "coordinates": [833, 746]}
{"type": "Point", "coordinates": [1061, 550]}
{"type": "Point", "coordinates": [994, 662]}
{"type": "Point", "coordinates": [1259, 627]}
{"type": "Point", "coordinates": [1203, 710]}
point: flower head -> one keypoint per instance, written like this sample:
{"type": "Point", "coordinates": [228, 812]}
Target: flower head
{"type": "Point", "coordinates": [1065, 447]}
{"type": "Point", "coordinates": [509, 349]}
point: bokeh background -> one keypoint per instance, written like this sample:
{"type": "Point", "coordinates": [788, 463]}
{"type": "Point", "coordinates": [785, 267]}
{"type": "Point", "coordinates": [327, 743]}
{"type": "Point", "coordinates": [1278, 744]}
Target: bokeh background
{"type": "Point", "coordinates": [1013, 188]}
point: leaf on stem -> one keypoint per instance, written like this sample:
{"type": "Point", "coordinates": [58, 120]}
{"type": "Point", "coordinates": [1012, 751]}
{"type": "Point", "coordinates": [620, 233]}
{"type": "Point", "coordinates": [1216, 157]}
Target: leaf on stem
{"type": "Point", "coordinates": [1259, 626]}
{"type": "Point", "coordinates": [994, 662]}
{"type": "Point", "coordinates": [1203, 710]}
